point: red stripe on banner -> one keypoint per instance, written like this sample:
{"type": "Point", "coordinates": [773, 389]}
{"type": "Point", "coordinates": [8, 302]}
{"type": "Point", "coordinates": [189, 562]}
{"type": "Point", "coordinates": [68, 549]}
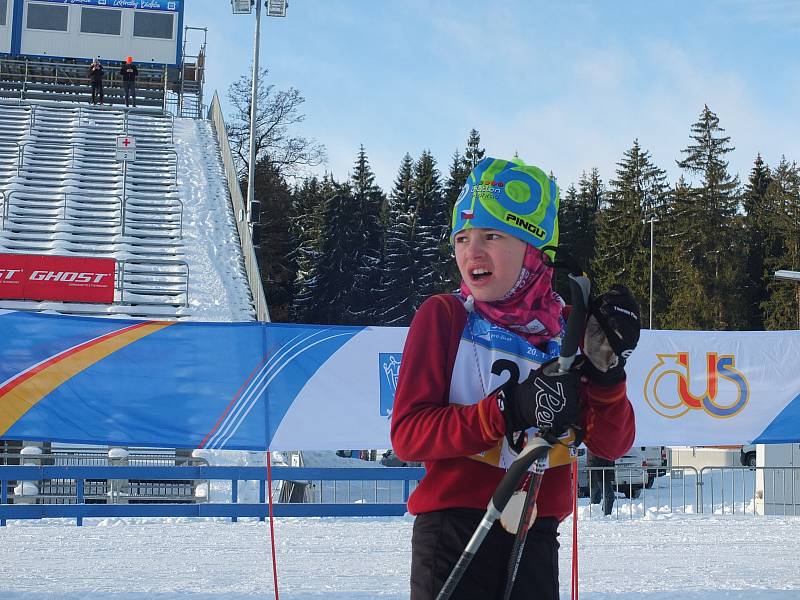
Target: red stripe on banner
{"type": "Point", "coordinates": [15, 381]}
{"type": "Point", "coordinates": [233, 401]}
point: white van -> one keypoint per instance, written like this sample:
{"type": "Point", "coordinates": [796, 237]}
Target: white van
{"type": "Point", "coordinates": [747, 455]}
{"type": "Point", "coordinates": [630, 474]}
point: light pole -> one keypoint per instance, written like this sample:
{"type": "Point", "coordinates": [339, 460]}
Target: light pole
{"type": "Point", "coordinates": [652, 219]}
{"type": "Point", "coordinates": [275, 8]}
{"type": "Point", "coordinates": [795, 277]}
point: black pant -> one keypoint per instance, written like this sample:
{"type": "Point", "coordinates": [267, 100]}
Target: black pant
{"type": "Point", "coordinates": [440, 537]}
{"type": "Point", "coordinates": [602, 483]}
{"type": "Point", "coordinates": [97, 90]}
{"type": "Point", "coordinates": [130, 91]}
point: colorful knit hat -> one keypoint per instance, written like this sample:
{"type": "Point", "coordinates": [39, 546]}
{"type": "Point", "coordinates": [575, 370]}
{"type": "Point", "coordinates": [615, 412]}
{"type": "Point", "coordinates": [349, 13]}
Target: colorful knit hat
{"type": "Point", "coordinates": [509, 196]}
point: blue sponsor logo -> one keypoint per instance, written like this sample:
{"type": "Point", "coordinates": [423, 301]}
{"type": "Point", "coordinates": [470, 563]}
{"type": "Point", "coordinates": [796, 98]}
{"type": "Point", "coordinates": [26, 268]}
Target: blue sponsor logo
{"type": "Point", "coordinates": [483, 333]}
{"type": "Point", "coordinates": [389, 367]}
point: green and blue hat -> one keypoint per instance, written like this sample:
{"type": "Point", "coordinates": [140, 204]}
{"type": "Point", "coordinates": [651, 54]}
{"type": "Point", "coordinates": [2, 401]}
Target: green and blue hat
{"type": "Point", "coordinates": [509, 196]}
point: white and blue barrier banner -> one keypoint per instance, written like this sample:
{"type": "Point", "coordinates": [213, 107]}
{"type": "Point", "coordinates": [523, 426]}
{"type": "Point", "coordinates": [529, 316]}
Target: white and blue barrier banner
{"type": "Point", "coordinates": [163, 5]}
{"type": "Point", "coordinates": [253, 385]}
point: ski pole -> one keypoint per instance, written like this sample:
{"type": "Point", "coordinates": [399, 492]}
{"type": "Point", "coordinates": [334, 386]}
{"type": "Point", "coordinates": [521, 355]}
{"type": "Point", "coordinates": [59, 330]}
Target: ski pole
{"type": "Point", "coordinates": [536, 448]}
{"type": "Point", "coordinates": [580, 288]}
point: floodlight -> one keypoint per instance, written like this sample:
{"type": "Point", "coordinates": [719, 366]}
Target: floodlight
{"type": "Point", "coordinates": [276, 8]}
{"type": "Point", "coordinates": [788, 276]}
{"type": "Point", "coordinates": [242, 7]}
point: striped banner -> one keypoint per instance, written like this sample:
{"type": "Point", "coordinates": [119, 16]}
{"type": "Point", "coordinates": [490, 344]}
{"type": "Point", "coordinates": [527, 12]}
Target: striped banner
{"type": "Point", "coordinates": [250, 386]}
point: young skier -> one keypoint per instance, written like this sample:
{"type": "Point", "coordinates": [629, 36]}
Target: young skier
{"type": "Point", "coordinates": [470, 381]}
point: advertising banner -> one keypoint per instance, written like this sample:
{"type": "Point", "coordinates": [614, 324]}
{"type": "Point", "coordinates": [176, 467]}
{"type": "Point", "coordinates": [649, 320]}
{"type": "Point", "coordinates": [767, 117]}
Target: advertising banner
{"type": "Point", "coordinates": [253, 386]}
{"type": "Point", "coordinates": [58, 278]}
{"type": "Point", "coordinates": [163, 5]}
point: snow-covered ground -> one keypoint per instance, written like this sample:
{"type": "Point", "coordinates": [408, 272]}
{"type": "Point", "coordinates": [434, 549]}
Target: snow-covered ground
{"type": "Point", "coordinates": [218, 285]}
{"type": "Point", "coordinates": [638, 553]}
{"type": "Point", "coordinates": [668, 557]}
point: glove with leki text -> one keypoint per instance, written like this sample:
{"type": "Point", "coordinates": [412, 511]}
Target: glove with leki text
{"type": "Point", "coordinates": [547, 399]}
{"type": "Point", "coordinates": [612, 333]}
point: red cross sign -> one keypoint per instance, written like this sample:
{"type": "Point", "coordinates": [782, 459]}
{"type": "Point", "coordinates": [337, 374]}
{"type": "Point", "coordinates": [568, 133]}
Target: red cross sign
{"type": "Point", "coordinates": [126, 142]}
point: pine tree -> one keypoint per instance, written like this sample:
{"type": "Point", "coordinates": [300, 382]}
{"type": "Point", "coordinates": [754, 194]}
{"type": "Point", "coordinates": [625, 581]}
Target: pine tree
{"type": "Point", "coordinates": [274, 254]}
{"type": "Point", "coordinates": [474, 153]}
{"type": "Point", "coordinates": [577, 216]}
{"type": "Point", "coordinates": [591, 196]}
{"type": "Point", "coordinates": [430, 226]}
{"type": "Point", "coordinates": [459, 171]}
{"type": "Point", "coordinates": [340, 238]}
{"type": "Point", "coordinates": [755, 238]}
{"type": "Point", "coordinates": [709, 229]}
{"type": "Point", "coordinates": [362, 302]}
{"type": "Point", "coordinates": [686, 298]}
{"type": "Point", "coordinates": [456, 179]}
{"type": "Point", "coordinates": [306, 220]}
{"type": "Point", "coordinates": [569, 218]}
{"type": "Point", "coordinates": [637, 194]}
{"type": "Point", "coordinates": [781, 216]}
{"type": "Point", "coordinates": [394, 306]}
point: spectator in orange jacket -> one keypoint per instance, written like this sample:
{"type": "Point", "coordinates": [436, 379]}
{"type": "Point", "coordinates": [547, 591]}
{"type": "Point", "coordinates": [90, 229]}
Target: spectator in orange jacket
{"type": "Point", "coordinates": [129, 73]}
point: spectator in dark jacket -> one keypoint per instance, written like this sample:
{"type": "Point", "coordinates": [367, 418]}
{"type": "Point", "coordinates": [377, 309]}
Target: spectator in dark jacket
{"type": "Point", "coordinates": [96, 79]}
{"type": "Point", "coordinates": [601, 481]}
{"type": "Point", "coordinates": [129, 73]}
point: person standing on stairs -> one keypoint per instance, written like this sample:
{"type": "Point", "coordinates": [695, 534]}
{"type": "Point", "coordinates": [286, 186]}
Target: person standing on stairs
{"type": "Point", "coordinates": [96, 79]}
{"type": "Point", "coordinates": [129, 73]}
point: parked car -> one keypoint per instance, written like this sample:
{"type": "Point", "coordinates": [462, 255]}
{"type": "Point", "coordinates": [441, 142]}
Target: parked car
{"type": "Point", "coordinates": [747, 455]}
{"type": "Point", "coordinates": [389, 459]}
{"type": "Point", "coordinates": [656, 459]}
{"type": "Point", "coordinates": [630, 474]}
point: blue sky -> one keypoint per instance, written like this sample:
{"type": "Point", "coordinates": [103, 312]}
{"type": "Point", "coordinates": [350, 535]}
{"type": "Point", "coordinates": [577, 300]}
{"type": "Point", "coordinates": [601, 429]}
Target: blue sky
{"type": "Point", "coordinates": [567, 84]}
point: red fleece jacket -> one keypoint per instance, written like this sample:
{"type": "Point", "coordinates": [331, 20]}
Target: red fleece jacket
{"type": "Point", "coordinates": [425, 427]}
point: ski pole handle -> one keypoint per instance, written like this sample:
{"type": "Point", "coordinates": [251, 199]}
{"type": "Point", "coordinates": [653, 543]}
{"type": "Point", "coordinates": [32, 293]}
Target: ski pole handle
{"type": "Point", "coordinates": [536, 448]}
{"type": "Point", "coordinates": [580, 287]}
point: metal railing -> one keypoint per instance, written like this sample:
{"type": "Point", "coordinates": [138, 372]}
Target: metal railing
{"type": "Point", "coordinates": [94, 147]}
{"type": "Point", "coordinates": [53, 74]}
{"type": "Point", "coordinates": [125, 223]}
{"type": "Point", "coordinates": [771, 490]}
{"type": "Point", "coordinates": [171, 117]}
{"type": "Point", "coordinates": [39, 213]}
{"type": "Point", "coordinates": [65, 490]}
{"type": "Point", "coordinates": [125, 112]}
{"type": "Point", "coordinates": [643, 490]}
{"type": "Point", "coordinates": [80, 509]}
{"type": "Point", "coordinates": [384, 491]}
{"type": "Point", "coordinates": [146, 277]}
{"type": "Point", "coordinates": [240, 213]}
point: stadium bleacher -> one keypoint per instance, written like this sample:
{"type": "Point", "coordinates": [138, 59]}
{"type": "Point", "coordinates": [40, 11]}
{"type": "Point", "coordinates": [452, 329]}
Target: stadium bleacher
{"type": "Point", "coordinates": [63, 195]}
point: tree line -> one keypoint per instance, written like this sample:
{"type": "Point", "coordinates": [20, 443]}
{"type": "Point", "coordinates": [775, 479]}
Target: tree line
{"type": "Point", "coordinates": [348, 252]}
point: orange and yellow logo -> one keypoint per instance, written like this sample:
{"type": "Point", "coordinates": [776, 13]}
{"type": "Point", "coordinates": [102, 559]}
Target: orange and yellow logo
{"type": "Point", "coordinates": [667, 388]}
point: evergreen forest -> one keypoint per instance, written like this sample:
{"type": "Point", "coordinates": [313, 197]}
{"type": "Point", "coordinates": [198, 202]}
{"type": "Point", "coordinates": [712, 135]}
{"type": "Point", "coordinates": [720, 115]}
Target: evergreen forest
{"type": "Point", "coordinates": [349, 252]}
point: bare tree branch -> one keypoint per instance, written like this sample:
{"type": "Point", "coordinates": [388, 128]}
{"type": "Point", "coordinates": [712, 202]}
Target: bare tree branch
{"type": "Point", "coordinates": [278, 111]}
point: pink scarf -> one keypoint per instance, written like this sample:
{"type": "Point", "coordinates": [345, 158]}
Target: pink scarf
{"type": "Point", "coordinates": [530, 308]}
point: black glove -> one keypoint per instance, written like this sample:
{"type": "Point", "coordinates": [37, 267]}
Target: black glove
{"type": "Point", "coordinates": [547, 400]}
{"type": "Point", "coordinates": [612, 333]}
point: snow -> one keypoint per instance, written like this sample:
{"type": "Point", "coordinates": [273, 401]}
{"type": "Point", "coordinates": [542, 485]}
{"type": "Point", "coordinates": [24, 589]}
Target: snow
{"type": "Point", "coordinates": [218, 284]}
{"type": "Point", "coordinates": [652, 556]}
{"type": "Point", "coordinates": [668, 558]}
